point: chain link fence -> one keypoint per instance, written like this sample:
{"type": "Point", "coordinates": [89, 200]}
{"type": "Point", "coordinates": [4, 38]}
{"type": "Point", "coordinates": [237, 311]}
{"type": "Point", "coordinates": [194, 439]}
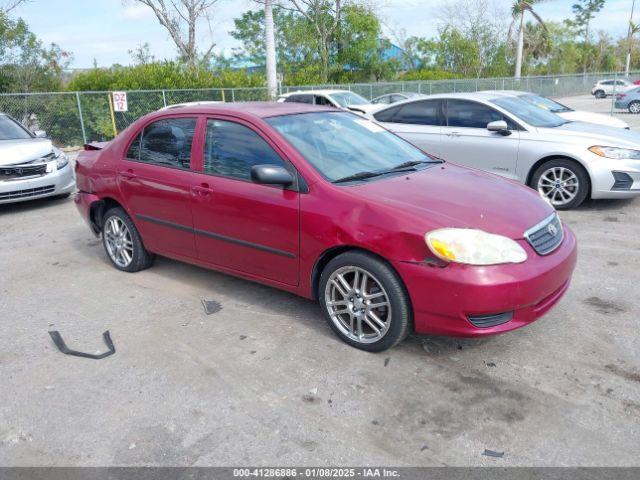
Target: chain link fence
{"type": "Point", "coordinates": [74, 118]}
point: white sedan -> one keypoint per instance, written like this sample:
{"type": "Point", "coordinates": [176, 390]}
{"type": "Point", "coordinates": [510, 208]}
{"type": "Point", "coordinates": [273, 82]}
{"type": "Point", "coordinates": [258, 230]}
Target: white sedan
{"type": "Point", "coordinates": [562, 110]}
{"type": "Point", "coordinates": [343, 99]}
{"type": "Point", "coordinates": [565, 161]}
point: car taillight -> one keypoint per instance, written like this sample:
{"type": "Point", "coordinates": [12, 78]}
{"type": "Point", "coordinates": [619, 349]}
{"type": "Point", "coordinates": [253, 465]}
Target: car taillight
{"type": "Point", "coordinates": [621, 95]}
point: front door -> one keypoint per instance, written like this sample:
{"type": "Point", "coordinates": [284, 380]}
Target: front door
{"type": "Point", "coordinates": [240, 225]}
{"type": "Point", "coordinates": [466, 140]}
{"type": "Point", "coordinates": [155, 180]}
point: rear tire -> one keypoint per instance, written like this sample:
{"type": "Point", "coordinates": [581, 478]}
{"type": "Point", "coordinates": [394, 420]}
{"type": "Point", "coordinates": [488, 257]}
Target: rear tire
{"type": "Point", "coordinates": [564, 182]}
{"type": "Point", "coordinates": [365, 302]}
{"type": "Point", "coordinates": [122, 242]}
{"type": "Point", "coordinates": [600, 94]}
{"type": "Point", "coordinates": [634, 107]}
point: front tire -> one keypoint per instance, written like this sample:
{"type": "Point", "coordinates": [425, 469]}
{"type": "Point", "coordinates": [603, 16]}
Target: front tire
{"type": "Point", "coordinates": [364, 301]}
{"type": "Point", "coordinates": [634, 107]}
{"type": "Point", "coordinates": [122, 242]}
{"type": "Point", "coordinates": [600, 94]}
{"type": "Point", "coordinates": [565, 183]}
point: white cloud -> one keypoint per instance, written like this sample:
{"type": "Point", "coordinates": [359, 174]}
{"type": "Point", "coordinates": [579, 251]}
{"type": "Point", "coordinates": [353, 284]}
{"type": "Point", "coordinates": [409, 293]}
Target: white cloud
{"type": "Point", "coordinates": [136, 12]}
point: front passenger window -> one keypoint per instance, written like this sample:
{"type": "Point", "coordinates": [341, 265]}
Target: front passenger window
{"type": "Point", "coordinates": [231, 150]}
{"type": "Point", "coordinates": [168, 142]}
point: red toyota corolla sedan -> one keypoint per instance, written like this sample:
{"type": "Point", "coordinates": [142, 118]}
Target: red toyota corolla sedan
{"type": "Point", "coordinates": [330, 206]}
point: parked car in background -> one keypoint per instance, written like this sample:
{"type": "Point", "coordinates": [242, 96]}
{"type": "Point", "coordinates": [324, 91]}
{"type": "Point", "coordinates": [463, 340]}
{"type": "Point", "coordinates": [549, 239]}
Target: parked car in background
{"type": "Point", "coordinates": [329, 205]}
{"type": "Point", "coordinates": [565, 161]}
{"type": "Point", "coordinates": [604, 88]}
{"type": "Point", "coordinates": [30, 166]}
{"type": "Point", "coordinates": [395, 97]}
{"type": "Point", "coordinates": [562, 110]}
{"type": "Point", "coordinates": [629, 100]}
{"type": "Point", "coordinates": [343, 99]}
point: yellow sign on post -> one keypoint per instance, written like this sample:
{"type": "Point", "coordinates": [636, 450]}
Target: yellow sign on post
{"type": "Point", "coordinates": [113, 116]}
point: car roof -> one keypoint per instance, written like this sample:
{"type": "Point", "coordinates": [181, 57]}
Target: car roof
{"type": "Point", "coordinates": [486, 96]}
{"type": "Point", "coordinates": [314, 92]}
{"type": "Point", "coordinates": [508, 93]}
{"type": "Point", "coordinates": [249, 109]}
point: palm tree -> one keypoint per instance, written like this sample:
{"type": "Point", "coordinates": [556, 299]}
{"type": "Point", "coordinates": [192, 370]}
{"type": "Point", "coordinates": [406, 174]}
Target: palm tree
{"type": "Point", "coordinates": [270, 47]}
{"type": "Point", "coordinates": [633, 29]}
{"type": "Point", "coordinates": [518, 10]}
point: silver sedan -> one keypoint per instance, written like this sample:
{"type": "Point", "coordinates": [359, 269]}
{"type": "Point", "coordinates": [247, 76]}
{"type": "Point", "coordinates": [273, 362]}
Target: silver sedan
{"type": "Point", "coordinates": [30, 166]}
{"type": "Point", "coordinates": [565, 161]}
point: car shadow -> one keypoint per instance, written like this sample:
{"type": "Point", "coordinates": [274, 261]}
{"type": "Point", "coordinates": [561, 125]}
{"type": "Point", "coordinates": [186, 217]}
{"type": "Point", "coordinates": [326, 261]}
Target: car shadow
{"type": "Point", "coordinates": [604, 205]}
{"type": "Point", "coordinates": [30, 205]}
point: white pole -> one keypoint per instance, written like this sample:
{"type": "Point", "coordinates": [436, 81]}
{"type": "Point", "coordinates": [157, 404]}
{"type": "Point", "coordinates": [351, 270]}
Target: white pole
{"type": "Point", "coordinates": [629, 40]}
{"type": "Point", "coordinates": [270, 44]}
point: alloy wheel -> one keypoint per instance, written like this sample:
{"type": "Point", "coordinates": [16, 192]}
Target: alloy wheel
{"type": "Point", "coordinates": [634, 107]}
{"type": "Point", "coordinates": [358, 304]}
{"type": "Point", "coordinates": [118, 241]}
{"type": "Point", "coordinates": [559, 184]}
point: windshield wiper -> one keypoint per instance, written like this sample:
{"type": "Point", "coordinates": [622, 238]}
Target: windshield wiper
{"type": "Point", "coordinates": [358, 176]}
{"type": "Point", "coordinates": [412, 163]}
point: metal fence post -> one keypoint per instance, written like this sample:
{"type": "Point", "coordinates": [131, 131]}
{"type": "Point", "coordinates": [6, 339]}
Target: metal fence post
{"type": "Point", "coordinates": [613, 97]}
{"type": "Point", "coordinates": [233, 94]}
{"type": "Point", "coordinates": [164, 98]}
{"type": "Point", "coordinates": [84, 133]}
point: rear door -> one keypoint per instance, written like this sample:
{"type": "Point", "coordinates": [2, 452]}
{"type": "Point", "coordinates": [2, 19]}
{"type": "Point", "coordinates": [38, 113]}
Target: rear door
{"type": "Point", "coordinates": [466, 140]}
{"type": "Point", "coordinates": [240, 225]}
{"type": "Point", "coordinates": [418, 122]}
{"type": "Point", "coordinates": [155, 180]}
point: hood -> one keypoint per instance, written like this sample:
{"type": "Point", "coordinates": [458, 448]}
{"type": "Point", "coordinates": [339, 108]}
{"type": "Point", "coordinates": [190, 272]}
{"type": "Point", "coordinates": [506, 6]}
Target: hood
{"type": "Point", "coordinates": [590, 117]}
{"type": "Point", "coordinates": [592, 134]}
{"type": "Point", "coordinates": [449, 195]}
{"type": "Point", "coordinates": [14, 152]}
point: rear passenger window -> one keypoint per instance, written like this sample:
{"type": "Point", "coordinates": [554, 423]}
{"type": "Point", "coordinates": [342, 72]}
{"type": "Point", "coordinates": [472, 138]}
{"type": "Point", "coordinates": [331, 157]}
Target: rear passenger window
{"type": "Point", "coordinates": [299, 99]}
{"type": "Point", "coordinates": [134, 149]}
{"type": "Point", "coordinates": [386, 115]}
{"type": "Point", "coordinates": [419, 113]}
{"type": "Point", "coordinates": [232, 149]}
{"type": "Point", "coordinates": [168, 142]}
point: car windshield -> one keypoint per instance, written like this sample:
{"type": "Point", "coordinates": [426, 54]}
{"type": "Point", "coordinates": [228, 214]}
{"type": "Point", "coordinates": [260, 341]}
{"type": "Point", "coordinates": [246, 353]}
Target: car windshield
{"type": "Point", "coordinates": [529, 113]}
{"type": "Point", "coordinates": [341, 145]}
{"type": "Point", "coordinates": [347, 99]}
{"type": "Point", "coordinates": [11, 130]}
{"type": "Point", "coordinates": [544, 102]}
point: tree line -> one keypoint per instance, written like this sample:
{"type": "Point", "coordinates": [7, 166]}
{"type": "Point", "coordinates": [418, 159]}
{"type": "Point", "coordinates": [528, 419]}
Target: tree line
{"type": "Point", "coordinates": [332, 41]}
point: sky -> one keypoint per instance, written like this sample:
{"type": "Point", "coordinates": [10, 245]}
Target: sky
{"type": "Point", "coordinates": [105, 30]}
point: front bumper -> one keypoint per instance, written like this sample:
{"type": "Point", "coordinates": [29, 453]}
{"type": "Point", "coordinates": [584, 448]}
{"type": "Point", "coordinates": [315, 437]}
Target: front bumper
{"type": "Point", "coordinates": [56, 182]}
{"type": "Point", "coordinates": [603, 179]}
{"type": "Point", "coordinates": [443, 299]}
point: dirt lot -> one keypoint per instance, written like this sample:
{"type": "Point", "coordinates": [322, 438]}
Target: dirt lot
{"type": "Point", "coordinates": [264, 381]}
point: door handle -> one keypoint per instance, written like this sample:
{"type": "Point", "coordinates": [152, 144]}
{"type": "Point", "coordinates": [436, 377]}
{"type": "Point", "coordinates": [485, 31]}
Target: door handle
{"type": "Point", "coordinates": [128, 174]}
{"type": "Point", "coordinates": [202, 190]}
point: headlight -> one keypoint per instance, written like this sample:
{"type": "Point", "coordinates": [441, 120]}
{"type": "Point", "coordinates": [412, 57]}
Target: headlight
{"type": "Point", "coordinates": [61, 159]}
{"type": "Point", "coordinates": [474, 247]}
{"type": "Point", "coordinates": [614, 152]}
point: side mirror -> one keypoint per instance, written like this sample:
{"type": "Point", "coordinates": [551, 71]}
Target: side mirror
{"type": "Point", "coordinates": [40, 134]}
{"type": "Point", "coordinates": [499, 126]}
{"type": "Point", "coordinates": [271, 175]}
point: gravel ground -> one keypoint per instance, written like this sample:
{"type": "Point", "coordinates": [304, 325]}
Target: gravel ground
{"type": "Point", "coordinates": [264, 381]}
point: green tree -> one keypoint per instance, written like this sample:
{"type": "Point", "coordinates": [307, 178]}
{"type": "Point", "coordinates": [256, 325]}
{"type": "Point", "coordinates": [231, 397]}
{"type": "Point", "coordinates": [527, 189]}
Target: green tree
{"type": "Point", "coordinates": [585, 11]}
{"type": "Point", "coordinates": [28, 65]}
